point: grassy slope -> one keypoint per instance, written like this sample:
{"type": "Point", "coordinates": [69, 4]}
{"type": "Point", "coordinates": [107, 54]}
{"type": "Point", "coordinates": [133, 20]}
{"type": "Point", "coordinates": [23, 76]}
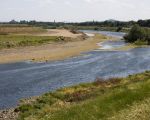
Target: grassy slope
{"type": "Point", "coordinates": [9, 41]}
{"type": "Point", "coordinates": [117, 99]}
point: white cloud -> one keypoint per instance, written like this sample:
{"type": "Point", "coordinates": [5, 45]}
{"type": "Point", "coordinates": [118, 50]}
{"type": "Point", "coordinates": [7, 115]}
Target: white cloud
{"type": "Point", "coordinates": [68, 3]}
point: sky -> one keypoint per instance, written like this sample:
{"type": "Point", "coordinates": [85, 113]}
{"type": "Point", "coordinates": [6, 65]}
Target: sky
{"type": "Point", "coordinates": [74, 10]}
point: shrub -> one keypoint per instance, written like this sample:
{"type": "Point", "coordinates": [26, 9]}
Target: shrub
{"type": "Point", "coordinates": [135, 34]}
{"type": "Point", "coordinates": [24, 108]}
{"type": "Point", "coordinates": [119, 29]}
{"type": "Point", "coordinates": [138, 35]}
{"type": "Point", "coordinates": [96, 28]}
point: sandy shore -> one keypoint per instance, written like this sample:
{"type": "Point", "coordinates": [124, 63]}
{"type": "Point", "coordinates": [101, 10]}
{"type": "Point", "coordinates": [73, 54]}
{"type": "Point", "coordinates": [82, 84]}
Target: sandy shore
{"type": "Point", "coordinates": [53, 51]}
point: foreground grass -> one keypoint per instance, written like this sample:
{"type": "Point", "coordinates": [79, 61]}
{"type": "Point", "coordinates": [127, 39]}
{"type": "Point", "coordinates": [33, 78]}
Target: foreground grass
{"type": "Point", "coordinates": [114, 99]}
{"type": "Point", "coordinates": [10, 41]}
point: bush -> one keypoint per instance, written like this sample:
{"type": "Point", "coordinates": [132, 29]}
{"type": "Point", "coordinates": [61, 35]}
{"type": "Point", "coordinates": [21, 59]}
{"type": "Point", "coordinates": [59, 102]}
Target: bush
{"type": "Point", "coordinates": [138, 35]}
{"type": "Point", "coordinates": [119, 29]}
{"type": "Point", "coordinates": [96, 28]}
{"type": "Point", "coordinates": [24, 108]}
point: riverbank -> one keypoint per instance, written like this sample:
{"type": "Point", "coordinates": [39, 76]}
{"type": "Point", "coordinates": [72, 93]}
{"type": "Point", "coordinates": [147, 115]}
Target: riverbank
{"type": "Point", "coordinates": [111, 99]}
{"type": "Point", "coordinates": [53, 51]}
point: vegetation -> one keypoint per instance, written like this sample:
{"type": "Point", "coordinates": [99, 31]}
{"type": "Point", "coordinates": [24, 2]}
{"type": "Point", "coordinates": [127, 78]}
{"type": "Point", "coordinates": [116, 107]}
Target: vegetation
{"type": "Point", "coordinates": [119, 29]}
{"type": "Point", "coordinates": [111, 25]}
{"type": "Point", "coordinates": [10, 41]}
{"type": "Point", "coordinates": [138, 35]}
{"type": "Point", "coordinates": [106, 23]}
{"type": "Point", "coordinates": [12, 29]}
{"type": "Point", "coordinates": [105, 99]}
{"type": "Point", "coordinates": [114, 29]}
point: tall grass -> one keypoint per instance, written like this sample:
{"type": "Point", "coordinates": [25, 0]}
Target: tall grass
{"type": "Point", "coordinates": [100, 100]}
{"type": "Point", "coordinates": [10, 41]}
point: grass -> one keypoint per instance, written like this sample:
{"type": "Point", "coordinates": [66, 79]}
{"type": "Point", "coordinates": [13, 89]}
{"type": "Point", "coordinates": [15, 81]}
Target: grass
{"type": "Point", "coordinates": [111, 99]}
{"type": "Point", "coordinates": [4, 30]}
{"type": "Point", "coordinates": [10, 41]}
{"type": "Point", "coordinates": [16, 36]}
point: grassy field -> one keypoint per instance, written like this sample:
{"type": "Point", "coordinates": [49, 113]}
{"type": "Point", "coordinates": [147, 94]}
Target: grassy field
{"type": "Point", "coordinates": [4, 30]}
{"type": "Point", "coordinates": [11, 41]}
{"type": "Point", "coordinates": [16, 36]}
{"type": "Point", "coordinates": [114, 99]}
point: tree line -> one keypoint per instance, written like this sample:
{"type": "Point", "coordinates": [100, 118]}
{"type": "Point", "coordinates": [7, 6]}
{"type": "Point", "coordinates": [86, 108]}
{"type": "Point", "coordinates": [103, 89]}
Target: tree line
{"type": "Point", "coordinates": [107, 23]}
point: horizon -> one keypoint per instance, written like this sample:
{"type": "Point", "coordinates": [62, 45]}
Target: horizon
{"type": "Point", "coordinates": [71, 21]}
{"type": "Point", "coordinates": [74, 11]}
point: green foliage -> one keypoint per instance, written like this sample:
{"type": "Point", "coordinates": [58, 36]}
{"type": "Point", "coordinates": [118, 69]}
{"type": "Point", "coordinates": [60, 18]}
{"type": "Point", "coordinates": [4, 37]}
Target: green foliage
{"type": "Point", "coordinates": [140, 42]}
{"type": "Point", "coordinates": [135, 34]}
{"type": "Point", "coordinates": [96, 28]}
{"type": "Point", "coordinates": [101, 99]}
{"type": "Point", "coordinates": [119, 29]}
{"type": "Point", "coordinates": [9, 41]}
{"type": "Point", "coordinates": [138, 35]}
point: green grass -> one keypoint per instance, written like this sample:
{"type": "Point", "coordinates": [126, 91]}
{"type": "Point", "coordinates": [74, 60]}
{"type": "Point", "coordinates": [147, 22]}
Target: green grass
{"type": "Point", "coordinates": [11, 41]}
{"type": "Point", "coordinates": [113, 99]}
{"type": "Point", "coordinates": [140, 42]}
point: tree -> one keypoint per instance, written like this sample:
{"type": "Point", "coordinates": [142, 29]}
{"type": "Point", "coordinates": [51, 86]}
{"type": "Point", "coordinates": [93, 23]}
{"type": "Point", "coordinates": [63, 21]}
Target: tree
{"type": "Point", "coordinates": [147, 34]}
{"type": "Point", "coordinates": [136, 33]}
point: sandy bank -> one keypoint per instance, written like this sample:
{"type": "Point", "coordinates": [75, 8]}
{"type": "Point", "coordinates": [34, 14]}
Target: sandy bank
{"type": "Point", "coordinates": [59, 32]}
{"type": "Point", "coordinates": [50, 52]}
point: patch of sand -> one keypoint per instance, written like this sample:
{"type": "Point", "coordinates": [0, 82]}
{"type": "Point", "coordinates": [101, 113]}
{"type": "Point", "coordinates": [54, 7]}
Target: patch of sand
{"type": "Point", "coordinates": [50, 52]}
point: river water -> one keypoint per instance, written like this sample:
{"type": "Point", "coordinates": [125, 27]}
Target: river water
{"type": "Point", "coordinates": [25, 79]}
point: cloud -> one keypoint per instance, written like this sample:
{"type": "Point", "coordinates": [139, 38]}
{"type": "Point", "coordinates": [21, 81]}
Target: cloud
{"type": "Point", "coordinates": [68, 3]}
{"type": "Point", "coordinates": [91, 1]}
{"type": "Point", "coordinates": [75, 10]}
{"type": "Point", "coordinates": [41, 2]}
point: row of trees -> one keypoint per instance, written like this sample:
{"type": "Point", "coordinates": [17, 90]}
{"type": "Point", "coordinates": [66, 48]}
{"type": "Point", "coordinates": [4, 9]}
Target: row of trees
{"type": "Point", "coordinates": [138, 35]}
{"type": "Point", "coordinates": [107, 23]}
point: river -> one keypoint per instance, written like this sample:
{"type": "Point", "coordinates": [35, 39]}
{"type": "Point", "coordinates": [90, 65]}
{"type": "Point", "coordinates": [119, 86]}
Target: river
{"type": "Point", "coordinates": [25, 79]}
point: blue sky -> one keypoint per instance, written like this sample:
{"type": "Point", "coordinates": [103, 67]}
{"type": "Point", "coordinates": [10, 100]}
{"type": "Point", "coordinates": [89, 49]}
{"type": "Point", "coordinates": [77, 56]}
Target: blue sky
{"type": "Point", "coordinates": [74, 10]}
